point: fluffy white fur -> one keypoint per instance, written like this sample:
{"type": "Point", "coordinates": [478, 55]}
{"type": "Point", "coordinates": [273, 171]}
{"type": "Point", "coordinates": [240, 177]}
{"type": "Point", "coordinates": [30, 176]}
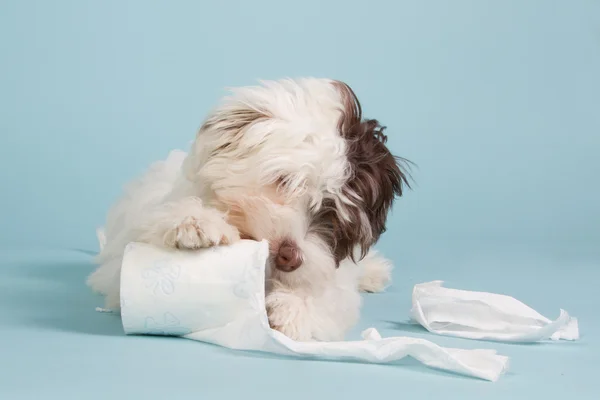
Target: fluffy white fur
{"type": "Point", "coordinates": [263, 158]}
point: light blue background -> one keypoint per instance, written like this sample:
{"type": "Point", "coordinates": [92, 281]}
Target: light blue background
{"type": "Point", "coordinates": [498, 102]}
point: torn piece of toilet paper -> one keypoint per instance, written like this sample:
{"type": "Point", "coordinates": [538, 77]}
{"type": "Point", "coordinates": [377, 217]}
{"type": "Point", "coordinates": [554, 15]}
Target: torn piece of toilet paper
{"type": "Point", "coordinates": [485, 316]}
{"type": "Point", "coordinates": [217, 295]}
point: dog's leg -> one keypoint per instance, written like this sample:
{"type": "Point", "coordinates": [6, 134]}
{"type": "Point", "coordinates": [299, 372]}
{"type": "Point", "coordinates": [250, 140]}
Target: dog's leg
{"type": "Point", "coordinates": [326, 315]}
{"type": "Point", "coordinates": [376, 273]}
{"type": "Point", "coordinates": [187, 224]}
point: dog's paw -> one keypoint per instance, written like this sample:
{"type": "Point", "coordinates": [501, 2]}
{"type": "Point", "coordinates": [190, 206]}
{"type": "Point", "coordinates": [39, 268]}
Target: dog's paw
{"type": "Point", "coordinates": [376, 273]}
{"type": "Point", "coordinates": [287, 314]}
{"type": "Point", "coordinates": [196, 232]}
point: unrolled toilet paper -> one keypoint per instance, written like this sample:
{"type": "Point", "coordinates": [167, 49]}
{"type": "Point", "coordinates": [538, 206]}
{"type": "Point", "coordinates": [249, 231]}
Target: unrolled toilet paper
{"type": "Point", "coordinates": [485, 316]}
{"type": "Point", "coordinates": [217, 295]}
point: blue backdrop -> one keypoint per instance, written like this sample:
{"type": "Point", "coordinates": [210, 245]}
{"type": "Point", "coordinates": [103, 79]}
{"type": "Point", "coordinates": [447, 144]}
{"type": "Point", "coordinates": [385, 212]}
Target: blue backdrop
{"type": "Point", "coordinates": [497, 102]}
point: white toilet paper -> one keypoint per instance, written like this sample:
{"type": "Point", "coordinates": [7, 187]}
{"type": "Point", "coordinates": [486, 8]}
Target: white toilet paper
{"type": "Point", "coordinates": [486, 316]}
{"type": "Point", "coordinates": [217, 295]}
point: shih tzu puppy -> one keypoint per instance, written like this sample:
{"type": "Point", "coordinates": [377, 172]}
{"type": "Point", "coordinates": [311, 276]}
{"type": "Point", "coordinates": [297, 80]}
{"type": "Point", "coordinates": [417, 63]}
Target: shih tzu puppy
{"type": "Point", "coordinates": [289, 161]}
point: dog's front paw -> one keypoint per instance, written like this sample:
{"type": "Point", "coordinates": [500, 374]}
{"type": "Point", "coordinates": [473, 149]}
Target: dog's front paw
{"type": "Point", "coordinates": [376, 273]}
{"type": "Point", "coordinates": [196, 232]}
{"type": "Point", "coordinates": [288, 314]}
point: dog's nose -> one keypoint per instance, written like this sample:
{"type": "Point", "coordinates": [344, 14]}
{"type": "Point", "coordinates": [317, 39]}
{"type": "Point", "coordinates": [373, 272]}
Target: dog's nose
{"type": "Point", "coordinates": [288, 257]}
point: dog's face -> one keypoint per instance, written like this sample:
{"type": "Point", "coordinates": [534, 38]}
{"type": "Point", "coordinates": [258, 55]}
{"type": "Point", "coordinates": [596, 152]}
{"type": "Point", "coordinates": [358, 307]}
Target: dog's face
{"type": "Point", "coordinates": [293, 162]}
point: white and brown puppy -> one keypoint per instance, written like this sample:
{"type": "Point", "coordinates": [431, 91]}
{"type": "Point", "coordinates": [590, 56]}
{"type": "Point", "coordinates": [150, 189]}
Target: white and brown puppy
{"type": "Point", "coordinates": [290, 161]}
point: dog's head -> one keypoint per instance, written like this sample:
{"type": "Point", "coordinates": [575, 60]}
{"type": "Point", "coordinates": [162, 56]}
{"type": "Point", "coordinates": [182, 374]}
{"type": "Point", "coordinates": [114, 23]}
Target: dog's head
{"type": "Point", "coordinates": [294, 162]}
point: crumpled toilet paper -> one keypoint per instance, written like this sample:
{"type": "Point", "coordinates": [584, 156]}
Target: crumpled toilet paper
{"type": "Point", "coordinates": [485, 316]}
{"type": "Point", "coordinates": [217, 295]}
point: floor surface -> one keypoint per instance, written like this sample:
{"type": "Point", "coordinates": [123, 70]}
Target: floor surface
{"type": "Point", "coordinates": [54, 345]}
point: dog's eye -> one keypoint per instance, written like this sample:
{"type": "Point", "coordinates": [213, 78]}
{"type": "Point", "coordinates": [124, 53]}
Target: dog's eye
{"type": "Point", "coordinates": [281, 181]}
{"type": "Point", "coordinates": [291, 184]}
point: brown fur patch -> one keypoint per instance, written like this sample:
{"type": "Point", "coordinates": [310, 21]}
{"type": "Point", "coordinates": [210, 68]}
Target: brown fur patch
{"type": "Point", "coordinates": [377, 177]}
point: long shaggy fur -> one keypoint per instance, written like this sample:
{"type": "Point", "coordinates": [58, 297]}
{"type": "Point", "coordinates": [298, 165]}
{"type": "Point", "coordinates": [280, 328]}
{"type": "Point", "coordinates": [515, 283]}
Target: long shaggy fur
{"type": "Point", "coordinates": [290, 161]}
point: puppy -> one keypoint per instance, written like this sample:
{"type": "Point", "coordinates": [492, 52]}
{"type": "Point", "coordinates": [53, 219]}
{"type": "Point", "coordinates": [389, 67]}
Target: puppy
{"type": "Point", "coordinates": [289, 161]}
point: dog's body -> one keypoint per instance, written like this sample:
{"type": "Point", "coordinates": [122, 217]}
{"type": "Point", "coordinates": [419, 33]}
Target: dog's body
{"type": "Point", "coordinates": [292, 162]}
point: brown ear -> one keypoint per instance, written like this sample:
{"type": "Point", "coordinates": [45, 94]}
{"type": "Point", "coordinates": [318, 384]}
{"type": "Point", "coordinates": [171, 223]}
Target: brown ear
{"type": "Point", "coordinates": [378, 176]}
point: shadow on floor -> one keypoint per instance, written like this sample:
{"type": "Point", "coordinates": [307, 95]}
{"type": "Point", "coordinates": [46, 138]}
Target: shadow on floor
{"type": "Point", "coordinates": [54, 295]}
{"type": "Point", "coordinates": [406, 326]}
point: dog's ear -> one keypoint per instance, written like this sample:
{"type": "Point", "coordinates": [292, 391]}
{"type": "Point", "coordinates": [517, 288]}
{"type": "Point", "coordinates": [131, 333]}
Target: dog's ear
{"type": "Point", "coordinates": [377, 176]}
